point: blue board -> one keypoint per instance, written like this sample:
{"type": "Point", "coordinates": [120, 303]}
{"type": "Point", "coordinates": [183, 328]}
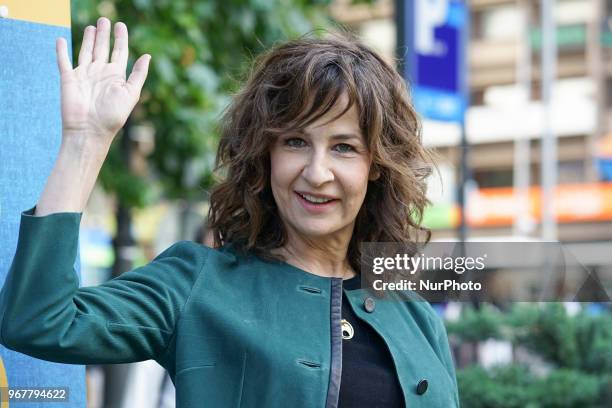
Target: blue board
{"type": "Point", "coordinates": [30, 134]}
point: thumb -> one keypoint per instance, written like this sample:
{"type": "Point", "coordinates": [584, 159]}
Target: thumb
{"type": "Point", "coordinates": [139, 74]}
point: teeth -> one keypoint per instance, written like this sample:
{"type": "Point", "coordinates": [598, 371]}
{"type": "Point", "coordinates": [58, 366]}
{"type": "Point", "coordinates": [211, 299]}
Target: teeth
{"type": "Point", "coordinates": [315, 199]}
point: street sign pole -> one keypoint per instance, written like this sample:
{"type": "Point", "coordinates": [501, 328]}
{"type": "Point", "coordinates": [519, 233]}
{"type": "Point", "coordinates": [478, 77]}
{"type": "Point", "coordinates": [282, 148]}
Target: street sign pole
{"type": "Point", "coordinates": [432, 38]}
{"type": "Point", "coordinates": [549, 140]}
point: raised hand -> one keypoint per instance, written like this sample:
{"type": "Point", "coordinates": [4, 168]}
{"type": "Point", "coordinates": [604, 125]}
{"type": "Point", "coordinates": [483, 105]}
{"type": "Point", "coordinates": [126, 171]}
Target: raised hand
{"type": "Point", "coordinates": [96, 98]}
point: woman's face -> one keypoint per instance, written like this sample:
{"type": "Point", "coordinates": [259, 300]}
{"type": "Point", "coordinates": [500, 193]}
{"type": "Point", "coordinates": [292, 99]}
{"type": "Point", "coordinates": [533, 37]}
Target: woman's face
{"type": "Point", "coordinates": [319, 178]}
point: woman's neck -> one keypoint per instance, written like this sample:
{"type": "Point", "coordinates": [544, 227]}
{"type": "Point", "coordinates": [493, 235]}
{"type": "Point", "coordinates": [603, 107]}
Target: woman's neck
{"type": "Point", "coordinates": [327, 260]}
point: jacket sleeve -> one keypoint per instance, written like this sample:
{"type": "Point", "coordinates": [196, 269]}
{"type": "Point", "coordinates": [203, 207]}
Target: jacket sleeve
{"type": "Point", "coordinates": [444, 352]}
{"type": "Point", "coordinates": [44, 313]}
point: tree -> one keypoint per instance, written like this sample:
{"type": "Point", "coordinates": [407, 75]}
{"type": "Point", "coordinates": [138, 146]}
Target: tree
{"type": "Point", "coordinates": [575, 352]}
{"type": "Point", "coordinates": [200, 51]}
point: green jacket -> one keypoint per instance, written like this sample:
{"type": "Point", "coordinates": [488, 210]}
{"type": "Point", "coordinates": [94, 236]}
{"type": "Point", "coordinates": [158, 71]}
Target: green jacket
{"type": "Point", "coordinates": [232, 331]}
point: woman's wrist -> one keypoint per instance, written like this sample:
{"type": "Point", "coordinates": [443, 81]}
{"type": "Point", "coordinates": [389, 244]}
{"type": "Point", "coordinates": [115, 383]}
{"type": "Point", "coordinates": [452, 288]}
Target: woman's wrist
{"type": "Point", "coordinates": [73, 176]}
{"type": "Point", "coordinates": [86, 142]}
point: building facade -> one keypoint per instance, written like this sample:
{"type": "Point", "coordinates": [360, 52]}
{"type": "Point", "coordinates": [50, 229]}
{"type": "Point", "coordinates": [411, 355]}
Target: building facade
{"type": "Point", "coordinates": [505, 120]}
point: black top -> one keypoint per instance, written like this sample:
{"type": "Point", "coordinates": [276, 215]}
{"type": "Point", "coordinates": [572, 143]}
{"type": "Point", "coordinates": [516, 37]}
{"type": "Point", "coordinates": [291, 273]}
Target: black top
{"type": "Point", "coordinates": [369, 378]}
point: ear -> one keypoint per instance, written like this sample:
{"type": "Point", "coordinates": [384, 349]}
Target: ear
{"type": "Point", "coordinates": [374, 173]}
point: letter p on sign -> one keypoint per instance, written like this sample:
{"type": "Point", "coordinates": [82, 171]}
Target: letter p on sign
{"type": "Point", "coordinates": [429, 15]}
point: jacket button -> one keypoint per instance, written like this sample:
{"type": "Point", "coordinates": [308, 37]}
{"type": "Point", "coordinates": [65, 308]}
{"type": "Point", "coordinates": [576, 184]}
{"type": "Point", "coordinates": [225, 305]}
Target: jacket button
{"type": "Point", "coordinates": [369, 304]}
{"type": "Point", "coordinates": [422, 387]}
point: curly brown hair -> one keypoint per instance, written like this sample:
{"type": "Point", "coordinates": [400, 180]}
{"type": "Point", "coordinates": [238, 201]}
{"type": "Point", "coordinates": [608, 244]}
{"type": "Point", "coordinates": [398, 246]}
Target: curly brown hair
{"type": "Point", "coordinates": [289, 87]}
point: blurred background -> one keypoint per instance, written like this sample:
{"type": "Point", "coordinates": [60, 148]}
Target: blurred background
{"type": "Point", "coordinates": [528, 158]}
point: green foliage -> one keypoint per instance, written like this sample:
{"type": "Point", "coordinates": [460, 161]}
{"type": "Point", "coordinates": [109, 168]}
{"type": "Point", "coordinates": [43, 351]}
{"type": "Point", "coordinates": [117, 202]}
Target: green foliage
{"type": "Point", "coordinates": [594, 342]}
{"type": "Point", "coordinates": [581, 342]}
{"type": "Point", "coordinates": [514, 386]}
{"type": "Point", "coordinates": [503, 387]}
{"type": "Point", "coordinates": [571, 388]}
{"type": "Point", "coordinates": [117, 177]}
{"type": "Point", "coordinates": [554, 336]}
{"type": "Point", "coordinates": [476, 325]}
{"type": "Point", "coordinates": [200, 51]}
{"type": "Point", "coordinates": [577, 349]}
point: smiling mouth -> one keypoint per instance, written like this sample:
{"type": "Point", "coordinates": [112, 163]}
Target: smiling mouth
{"type": "Point", "coordinates": [315, 200]}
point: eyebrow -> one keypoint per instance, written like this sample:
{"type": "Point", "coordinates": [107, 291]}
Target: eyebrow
{"type": "Point", "coordinates": [346, 136]}
{"type": "Point", "coordinates": [340, 136]}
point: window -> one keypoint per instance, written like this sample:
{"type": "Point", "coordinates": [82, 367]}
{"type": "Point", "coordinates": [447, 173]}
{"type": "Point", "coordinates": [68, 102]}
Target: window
{"type": "Point", "coordinates": [571, 172]}
{"type": "Point", "coordinates": [568, 172]}
{"type": "Point", "coordinates": [498, 23]}
{"type": "Point", "coordinates": [493, 178]}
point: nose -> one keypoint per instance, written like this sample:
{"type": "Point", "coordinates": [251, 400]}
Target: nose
{"type": "Point", "coordinates": [317, 170]}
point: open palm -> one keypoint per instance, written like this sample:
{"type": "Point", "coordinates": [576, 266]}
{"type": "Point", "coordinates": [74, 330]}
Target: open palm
{"type": "Point", "coordinates": [96, 97]}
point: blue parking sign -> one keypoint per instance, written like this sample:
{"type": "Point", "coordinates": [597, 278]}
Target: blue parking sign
{"type": "Point", "coordinates": [435, 62]}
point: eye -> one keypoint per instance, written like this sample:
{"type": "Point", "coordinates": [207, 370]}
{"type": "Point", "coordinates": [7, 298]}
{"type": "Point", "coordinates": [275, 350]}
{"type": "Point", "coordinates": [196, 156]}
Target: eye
{"type": "Point", "coordinates": [295, 142]}
{"type": "Point", "coordinates": [344, 148]}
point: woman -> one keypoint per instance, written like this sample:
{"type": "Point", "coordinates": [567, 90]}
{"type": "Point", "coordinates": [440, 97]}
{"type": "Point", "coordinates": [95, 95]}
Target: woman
{"type": "Point", "coordinates": [322, 152]}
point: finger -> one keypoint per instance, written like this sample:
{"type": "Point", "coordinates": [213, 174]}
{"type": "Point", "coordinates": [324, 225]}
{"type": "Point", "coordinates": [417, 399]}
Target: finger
{"type": "Point", "coordinates": [86, 52]}
{"type": "Point", "coordinates": [100, 51]}
{"type": "Point", "coordinates": [63, 60]}
{"type": "Point", "coordinates": [120, 48]}
{"type": "Point", "coordinates": [139, 74]}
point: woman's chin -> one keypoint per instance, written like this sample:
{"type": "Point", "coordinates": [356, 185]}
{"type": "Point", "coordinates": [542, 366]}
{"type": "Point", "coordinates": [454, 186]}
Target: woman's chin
{"type": "Point", "coordinates": [315, 232]}
{"type": "Point", "coordinates": [318, 230]}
